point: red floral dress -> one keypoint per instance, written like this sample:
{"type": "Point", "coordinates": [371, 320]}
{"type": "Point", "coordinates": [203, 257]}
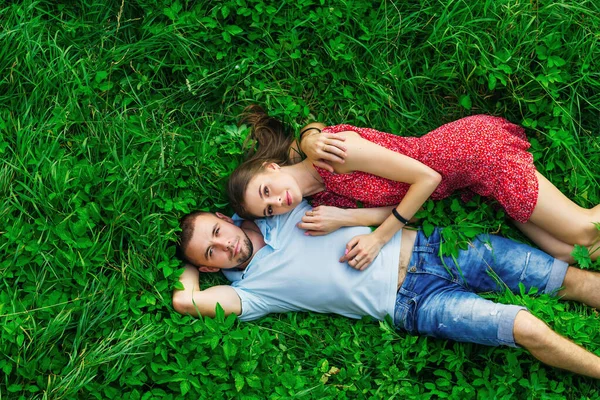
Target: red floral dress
{"type": "Point", "coordinates": [478, 154]}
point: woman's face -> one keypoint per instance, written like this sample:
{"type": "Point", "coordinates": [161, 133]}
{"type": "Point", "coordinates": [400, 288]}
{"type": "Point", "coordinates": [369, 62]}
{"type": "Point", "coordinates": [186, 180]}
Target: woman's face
{"type": "Point", "coordinates": [272, 192]}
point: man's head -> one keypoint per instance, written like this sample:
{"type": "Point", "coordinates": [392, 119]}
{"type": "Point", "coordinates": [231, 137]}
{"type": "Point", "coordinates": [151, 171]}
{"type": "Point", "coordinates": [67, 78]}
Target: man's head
{"type": "Point", "coordinates": [212, 242]}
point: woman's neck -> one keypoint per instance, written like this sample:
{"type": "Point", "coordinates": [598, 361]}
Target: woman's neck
{"type": "Point", "coordinates": [309, 180]}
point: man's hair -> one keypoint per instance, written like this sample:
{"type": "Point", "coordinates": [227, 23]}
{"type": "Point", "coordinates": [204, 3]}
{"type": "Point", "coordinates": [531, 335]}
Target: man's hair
{"type": "Point", "coordinates": [186, 223]}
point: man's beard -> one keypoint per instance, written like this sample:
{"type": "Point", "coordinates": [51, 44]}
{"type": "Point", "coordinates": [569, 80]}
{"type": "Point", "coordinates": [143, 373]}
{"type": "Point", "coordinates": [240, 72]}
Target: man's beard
{"type": "Point", "coordinates": [246, 251]}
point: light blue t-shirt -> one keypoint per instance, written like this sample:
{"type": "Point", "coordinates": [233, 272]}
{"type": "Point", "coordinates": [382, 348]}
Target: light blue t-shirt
{"type": "Point", "coordinates": [295, 272]}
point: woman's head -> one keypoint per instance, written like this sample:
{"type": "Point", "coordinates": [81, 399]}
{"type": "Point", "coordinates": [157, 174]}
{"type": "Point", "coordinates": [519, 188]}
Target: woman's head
{"type": "Point", "coordinates": [260, 188]}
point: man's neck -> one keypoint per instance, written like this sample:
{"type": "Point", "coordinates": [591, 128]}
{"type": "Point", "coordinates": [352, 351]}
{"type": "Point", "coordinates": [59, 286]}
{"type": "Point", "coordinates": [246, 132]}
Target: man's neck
{"type": "Point", "coordinates": [255, 236]}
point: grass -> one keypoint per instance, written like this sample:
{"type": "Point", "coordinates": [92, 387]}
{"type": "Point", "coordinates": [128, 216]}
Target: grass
{"type": "Point", "coordinates": [116, 118]}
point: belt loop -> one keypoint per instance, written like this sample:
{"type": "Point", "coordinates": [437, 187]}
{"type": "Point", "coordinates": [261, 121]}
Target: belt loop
{"type": "Point", "coordinates": [422, 249]}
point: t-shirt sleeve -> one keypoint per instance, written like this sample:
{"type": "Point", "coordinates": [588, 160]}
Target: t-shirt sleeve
{"type": "Point", "coordinates": [253, 306]}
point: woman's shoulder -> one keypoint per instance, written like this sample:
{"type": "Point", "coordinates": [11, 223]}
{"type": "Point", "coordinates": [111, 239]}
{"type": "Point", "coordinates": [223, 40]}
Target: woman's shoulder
{"type": "Point", "coordinates": [341, 128]}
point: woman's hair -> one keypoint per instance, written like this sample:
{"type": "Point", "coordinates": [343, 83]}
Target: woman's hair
{"type": "Point", "coordinates": [238, 183]}
{"type": "Point", "coordinates": [272, 141]}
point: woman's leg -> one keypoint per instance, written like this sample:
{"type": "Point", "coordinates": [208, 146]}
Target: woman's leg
{"type": "Point", "coordinates": [563, 219]}
{"type": "Point", "coordinates": [552, 245]}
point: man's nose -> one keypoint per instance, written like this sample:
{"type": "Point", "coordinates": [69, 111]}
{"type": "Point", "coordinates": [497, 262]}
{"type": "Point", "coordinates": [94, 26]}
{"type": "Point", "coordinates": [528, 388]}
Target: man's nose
{"type": "Point", "coordinates": [225, 243]}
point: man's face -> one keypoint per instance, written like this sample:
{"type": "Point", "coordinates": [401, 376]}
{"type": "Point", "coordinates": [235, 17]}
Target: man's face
{"type": "Point", "coordinates": [218, 244]}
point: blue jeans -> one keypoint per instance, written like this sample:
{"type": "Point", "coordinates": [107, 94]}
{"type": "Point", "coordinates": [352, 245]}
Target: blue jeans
{"type": "Point", "coordinates": [439, 299]}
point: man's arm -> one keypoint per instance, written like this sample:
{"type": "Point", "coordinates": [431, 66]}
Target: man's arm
{"type": "Point", "coordinates": [191, 300]}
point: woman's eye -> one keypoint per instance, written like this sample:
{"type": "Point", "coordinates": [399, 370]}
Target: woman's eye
{"type": "Point", "coordinates": [210, 252]}
{"type": "Point", "coordinates": [266, 191]}
{"type": "Point", "coordinates": [270, 210]}
{"type": "Point", "coordinates": [217, 231]}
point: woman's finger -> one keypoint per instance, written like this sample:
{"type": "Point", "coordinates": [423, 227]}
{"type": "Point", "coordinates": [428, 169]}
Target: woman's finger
{"type": "Point", "coordinates": [324, 165]}
{"type": "Point", "coordinates": [333, 154]}
{"type": "Point", "coordinates": [349, 253]}
{"type": "Point", "coordinates": [364, 265]}
{"type": "Point", "coordinates": [334, 136]}
{"type": "Point", "coordinates": [336, 144]}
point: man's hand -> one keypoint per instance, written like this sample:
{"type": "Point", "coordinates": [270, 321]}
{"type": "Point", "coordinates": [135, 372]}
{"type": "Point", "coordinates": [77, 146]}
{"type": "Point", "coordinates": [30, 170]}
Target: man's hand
{"type": "Point", "coordinates": [322, 220]}
{"type": "Point", "coordinates": [324, 148]}
{"type": "Point", "coordinates": [362, 250]}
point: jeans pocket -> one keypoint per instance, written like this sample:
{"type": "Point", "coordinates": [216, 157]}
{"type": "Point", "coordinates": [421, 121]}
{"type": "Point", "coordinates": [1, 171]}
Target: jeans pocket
{"type": "Point", "coordinates": [400, 315]}
{"type": "Point", "coordinates": [409, 317]}
{"type": "Point", "coordinates": [404, 312]}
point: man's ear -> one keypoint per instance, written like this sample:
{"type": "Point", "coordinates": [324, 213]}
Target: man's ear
{"type": "Point", "coordinates": [208, 269]}
{"type": "Point", "coordinates": [224, 217]}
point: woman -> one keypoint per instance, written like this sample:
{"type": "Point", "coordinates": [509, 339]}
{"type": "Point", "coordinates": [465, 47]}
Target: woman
{"type": "Point", "coordinates": [478, 154]}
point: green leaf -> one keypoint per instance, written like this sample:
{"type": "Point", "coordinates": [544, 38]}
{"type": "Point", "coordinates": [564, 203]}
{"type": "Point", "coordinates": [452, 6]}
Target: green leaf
{"type": "Point", "coordinates": [225, 11]}
{"type": "Point", "coordinates": [428, 228]}
{"type": "Point", "coordinates": [229, 349]}
{"type": "Point", "coordinates": [253, 381]}
{"type": "Point", "coordinates": [581, 255]}
{"type": "Point", "coordinates": [492, 81]}
{"type": "Point", "coordinates": [184, 386]}
{"type": "Point", "coordinates": [101, 76]}
{"type": "Point", "coordinates": [233, 30]}
{"type": "Point", "coordinates": [465, 101]}
{"type": "Point", "coordinates": [15, 388]}
{"type": "Point", "coordinates": [178, 286]}
{"type": "Point", "coordinates": [239, 382]}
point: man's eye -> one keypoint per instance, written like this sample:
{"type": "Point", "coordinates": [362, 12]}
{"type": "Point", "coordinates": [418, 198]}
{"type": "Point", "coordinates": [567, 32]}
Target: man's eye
{"type": "Point", "coordinates": [270, 210]}
{"type": "Point", "coordinates": [266, 191]}
{"type": "Point", "coordinates": [217, 231]}
{"type": "Point", "coordinates": [210, 252]}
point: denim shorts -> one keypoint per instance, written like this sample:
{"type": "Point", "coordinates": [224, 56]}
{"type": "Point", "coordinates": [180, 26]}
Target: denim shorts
{"type": "Point", "coordinates": [438, 298]}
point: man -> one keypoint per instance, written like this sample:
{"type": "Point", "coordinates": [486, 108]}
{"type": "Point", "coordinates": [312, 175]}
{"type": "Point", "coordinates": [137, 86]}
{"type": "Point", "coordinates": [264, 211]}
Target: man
{"type": "Point", "coordinates": [275, 267]}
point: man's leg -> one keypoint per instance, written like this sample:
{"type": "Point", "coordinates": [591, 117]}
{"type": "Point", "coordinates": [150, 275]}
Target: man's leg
{"type": "Point", "coordinates": [464, 316]}
{"type": "Point", "coordinates": [583, 286]}
{"type": "Point", "coordinates": [551, 348]}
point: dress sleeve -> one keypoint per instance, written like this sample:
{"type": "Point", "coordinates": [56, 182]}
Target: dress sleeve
{"type": "Point", "coordinates": [326, 198]}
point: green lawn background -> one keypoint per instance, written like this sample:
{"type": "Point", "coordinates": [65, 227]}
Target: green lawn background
{"type": "Point", "coordinates": [117, 117]}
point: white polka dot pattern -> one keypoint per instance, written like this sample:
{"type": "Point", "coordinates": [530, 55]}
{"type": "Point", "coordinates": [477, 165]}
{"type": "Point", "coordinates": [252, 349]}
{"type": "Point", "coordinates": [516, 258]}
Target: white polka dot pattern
{"type": "Point", "coordinates": [478, 154]}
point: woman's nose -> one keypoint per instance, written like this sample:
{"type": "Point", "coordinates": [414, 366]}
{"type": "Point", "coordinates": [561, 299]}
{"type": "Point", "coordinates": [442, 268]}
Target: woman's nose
{"type": "Point", "coordinates": [275, 201]}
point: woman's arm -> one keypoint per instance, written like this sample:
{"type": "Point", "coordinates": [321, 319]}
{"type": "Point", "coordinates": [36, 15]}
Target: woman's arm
{"type": "Point", "coordinates": [369, 157]}
{"type": "Point", "coordinates": [322, 220]}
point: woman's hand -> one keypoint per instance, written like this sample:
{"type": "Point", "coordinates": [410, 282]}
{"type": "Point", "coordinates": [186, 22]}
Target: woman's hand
{"type": "Point", "coordinates": [324, 148]}
{"type": "Point", "coordinates": [322, 220]}
{"type": "Point", "coordinates": [362, 250]}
